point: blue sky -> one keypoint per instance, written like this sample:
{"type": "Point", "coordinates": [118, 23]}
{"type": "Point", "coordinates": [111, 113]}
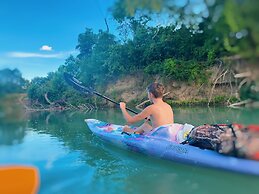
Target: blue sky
{"type": "Point", "coordinates": [36, 36]}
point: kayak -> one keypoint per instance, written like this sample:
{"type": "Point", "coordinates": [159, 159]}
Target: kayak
{"type": "Point", "coordinates": [157, 145]}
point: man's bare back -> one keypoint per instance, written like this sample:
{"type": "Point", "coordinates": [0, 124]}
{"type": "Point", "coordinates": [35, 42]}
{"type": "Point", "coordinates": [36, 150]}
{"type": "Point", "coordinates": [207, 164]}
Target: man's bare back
{"type": "Point", "coordinates": [159, 112]}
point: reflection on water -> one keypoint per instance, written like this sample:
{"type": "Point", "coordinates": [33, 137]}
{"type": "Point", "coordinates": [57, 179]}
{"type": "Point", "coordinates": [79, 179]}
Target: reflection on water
{"type": "Point", "coordinates": [200, 115]}
{"type": "Point", "coordinates": [12, 125]}
{"type": "Point", "coordinates": [72, 160]}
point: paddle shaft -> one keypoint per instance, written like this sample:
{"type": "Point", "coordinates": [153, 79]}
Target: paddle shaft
{"type": "Point", "coordinates": [105, 97]}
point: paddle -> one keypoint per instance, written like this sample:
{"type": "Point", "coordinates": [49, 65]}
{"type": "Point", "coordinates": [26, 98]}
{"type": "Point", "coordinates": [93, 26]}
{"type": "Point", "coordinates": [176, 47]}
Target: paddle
{"type": "Point", "coordinates": [76, 84]}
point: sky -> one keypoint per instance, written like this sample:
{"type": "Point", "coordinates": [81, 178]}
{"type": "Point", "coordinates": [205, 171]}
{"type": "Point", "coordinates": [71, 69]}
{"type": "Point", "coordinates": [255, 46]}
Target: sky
{"type": "Point", "coordinates": [36, 36]}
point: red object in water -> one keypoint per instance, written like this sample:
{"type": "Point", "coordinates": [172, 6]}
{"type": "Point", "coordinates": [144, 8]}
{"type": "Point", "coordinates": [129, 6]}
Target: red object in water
{"type": "Point", "coordinates": [239, 126]}
{"type": "Point", "coordinates": [256, 156]}
{"type": "Point", "coordinates": [253, 127]}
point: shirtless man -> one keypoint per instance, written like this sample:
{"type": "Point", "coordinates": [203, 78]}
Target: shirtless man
{"type": "Point", "coordinates": [159, 112]}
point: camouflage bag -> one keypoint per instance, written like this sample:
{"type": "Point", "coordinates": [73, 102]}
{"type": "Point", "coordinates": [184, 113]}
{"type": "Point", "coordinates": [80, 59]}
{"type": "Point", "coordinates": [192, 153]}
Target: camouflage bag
{"type": "Point", "coordinates": [233, 139]}
{"type": "Point", "coordinates": [240, 141]}
{"type": "Point", "coordinates": [205, 136]}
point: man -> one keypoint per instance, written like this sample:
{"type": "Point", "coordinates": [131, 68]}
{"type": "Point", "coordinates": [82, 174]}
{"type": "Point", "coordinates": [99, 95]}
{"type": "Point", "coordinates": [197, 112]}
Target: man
{"type": "Point", "coordinates": [159, 112]}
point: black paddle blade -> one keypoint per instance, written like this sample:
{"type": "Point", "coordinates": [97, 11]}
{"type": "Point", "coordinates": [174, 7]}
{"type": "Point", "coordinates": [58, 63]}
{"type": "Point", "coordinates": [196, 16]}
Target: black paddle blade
{"type": "Point", "coordinates": [76, 84]}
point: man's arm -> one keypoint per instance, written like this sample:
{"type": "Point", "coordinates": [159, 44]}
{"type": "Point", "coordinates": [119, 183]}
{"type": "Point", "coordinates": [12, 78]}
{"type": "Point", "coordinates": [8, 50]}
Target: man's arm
{"type": "Point", "coordinates": [133, 119]}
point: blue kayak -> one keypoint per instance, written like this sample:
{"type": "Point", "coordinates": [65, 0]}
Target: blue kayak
{"type": "Point", "coordinates": [161, 147]}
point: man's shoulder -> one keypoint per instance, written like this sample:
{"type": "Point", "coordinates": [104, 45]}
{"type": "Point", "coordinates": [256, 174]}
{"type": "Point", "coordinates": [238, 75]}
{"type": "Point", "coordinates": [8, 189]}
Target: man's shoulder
{"type": "Point", "coordinates": [150, 107]}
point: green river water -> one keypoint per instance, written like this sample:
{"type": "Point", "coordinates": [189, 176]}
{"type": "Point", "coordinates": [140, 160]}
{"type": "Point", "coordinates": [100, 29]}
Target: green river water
{"type": "Point", "coordinates": [72, 160]}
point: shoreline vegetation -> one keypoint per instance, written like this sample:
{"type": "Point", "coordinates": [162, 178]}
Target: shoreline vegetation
{"type": "Point", "coordinates": [10, 101]}
{"type": "Point", "coordinates": [22, 101]}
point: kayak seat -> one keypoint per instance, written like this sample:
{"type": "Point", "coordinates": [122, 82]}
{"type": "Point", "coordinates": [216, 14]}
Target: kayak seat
{"type": "Point", "coordinates": [173, 132]}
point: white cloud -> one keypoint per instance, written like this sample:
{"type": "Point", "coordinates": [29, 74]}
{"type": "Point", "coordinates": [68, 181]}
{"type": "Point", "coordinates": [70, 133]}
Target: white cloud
{"type": "Point", "coordinates": [46, 48]}
{"type": "Point", "coordinates": [59, 55]}
{"type": "Point", "coordinates": [34, 55]}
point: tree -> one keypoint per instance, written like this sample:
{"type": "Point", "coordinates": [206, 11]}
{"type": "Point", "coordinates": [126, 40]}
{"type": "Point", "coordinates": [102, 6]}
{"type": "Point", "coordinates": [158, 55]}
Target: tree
{"type": "Point", "coordinates": [86, 42]}
{"type": "Point", "coordinates": [235, 21]}
{"type": "Point", "coordinates": [11, 81]}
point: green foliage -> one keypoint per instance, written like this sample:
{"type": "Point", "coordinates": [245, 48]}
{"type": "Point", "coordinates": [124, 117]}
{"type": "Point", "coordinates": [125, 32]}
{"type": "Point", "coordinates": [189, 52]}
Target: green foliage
{"type": "Point", "coordinates": [71, 65]}
{"type": "Point", "coordinates": [155, 50]}
{"type": "Point", "coordinates": [250, 90]}
{"type": "Point", "coordinates": [192, 102]}
{"type": "Point", "coordinates": [241, 29]}
{"type": "Point", "coordinates": [211, 56]}
{"type": "Point", "coordinates": [37, 89]}
{"type": "Point", "coordinates": [55, 87]}
{"type": "Point", "coordinates": [181, 51]}
{"type": "Point", "coordinates": [86, 42]}
{"type": "Point", "coordinates": [217, 100]}
{"type": "Point", "coordinates": [179, 70]}
{"type": "Point", "coordinates": [11, 81]}
{"type": "Point", "coordinates": [233, 99]}
{"type": "Point", "coordinates": [234, 21]}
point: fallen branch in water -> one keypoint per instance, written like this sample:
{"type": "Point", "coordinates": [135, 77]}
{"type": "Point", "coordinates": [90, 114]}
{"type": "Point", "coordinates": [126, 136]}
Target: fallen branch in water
{"type": "Point", "coordinates": [244, 102]}
{"type": "Point", "coordinates": [244, 74]}
{"type": "Point", "coordinates": [47, 99]}
{"type": "Point", "coordinates": [244, 81]}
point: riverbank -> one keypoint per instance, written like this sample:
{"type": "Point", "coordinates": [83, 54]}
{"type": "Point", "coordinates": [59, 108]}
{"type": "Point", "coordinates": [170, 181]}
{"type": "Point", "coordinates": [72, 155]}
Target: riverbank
{"type": "Point", "coordinates": [20, 102]}
{"type": "Point", "coordinates": [223, 85]}
{"type": "Point", "coordinates": [11, 101]}
{"type": "Point", "coordinates": [132, 89]}
{"type": "Point", "coordinates": [12, 107]}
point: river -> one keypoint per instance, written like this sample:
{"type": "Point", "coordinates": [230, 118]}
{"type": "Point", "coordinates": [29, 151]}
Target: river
{"type": "Point", "coordinates": [71, 159]}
